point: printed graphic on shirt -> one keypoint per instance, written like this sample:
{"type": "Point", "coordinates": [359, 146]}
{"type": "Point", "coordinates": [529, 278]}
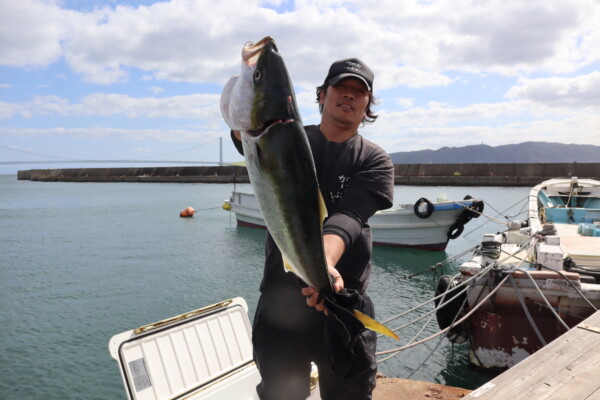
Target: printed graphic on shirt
{"type": "Point", "coordinates": [343, 181]}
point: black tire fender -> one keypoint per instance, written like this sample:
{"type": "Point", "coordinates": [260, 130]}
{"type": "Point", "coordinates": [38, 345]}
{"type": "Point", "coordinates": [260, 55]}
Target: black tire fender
{"type": "Point", "coordinates": [476, 205]}
{"type": "Point", "coordinates": [427, 213]}
{"type": "Point", "coordinates": [455, 230]}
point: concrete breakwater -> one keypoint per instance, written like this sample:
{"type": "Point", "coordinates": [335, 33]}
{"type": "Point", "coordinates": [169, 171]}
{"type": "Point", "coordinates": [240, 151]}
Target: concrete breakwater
{"type": "Point", "coordinates": [405, 174]}
{"type": "Point", "coordinates": [202, 174]}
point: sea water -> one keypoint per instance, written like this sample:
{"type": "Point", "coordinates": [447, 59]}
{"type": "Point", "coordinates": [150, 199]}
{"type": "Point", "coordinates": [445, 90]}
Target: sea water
{"type": "Point", "coordinates": [81, 262]}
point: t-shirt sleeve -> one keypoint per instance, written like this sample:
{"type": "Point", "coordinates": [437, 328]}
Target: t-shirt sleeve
{"type": "Point", "coordinates": [348, 222]}
{"type": "Point", "coordinates": [371, 189]}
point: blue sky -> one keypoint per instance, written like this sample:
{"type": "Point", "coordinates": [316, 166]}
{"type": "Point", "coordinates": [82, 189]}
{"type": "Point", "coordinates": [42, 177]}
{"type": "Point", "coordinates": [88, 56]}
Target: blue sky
{"type": "Point", "coordinates": [141, 80]}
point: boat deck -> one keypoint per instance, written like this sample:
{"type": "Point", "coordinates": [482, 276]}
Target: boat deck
{"type": "Point", "coordinates": [567, 368]}
{"type": "Point", "coordinates": [582, 249]}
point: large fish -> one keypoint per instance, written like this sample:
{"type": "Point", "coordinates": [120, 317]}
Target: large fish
{"type": "Point", "coordinates": [261, 104]}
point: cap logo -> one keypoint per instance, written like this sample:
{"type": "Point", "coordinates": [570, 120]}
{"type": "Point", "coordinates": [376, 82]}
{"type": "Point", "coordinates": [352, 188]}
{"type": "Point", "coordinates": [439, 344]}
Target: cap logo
{"type": "Point", "coordinates": [353, 65]}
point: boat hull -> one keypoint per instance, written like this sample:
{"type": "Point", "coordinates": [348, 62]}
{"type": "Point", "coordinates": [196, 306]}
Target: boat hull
{"type": "Point", "coordinates": [500, 334]}
{"type": "Point", "coordinates": [247, 211]}
{"type": "Point", "coordinates": [397, 227]}
{"type": "Point", "coordinates": [401, 227]}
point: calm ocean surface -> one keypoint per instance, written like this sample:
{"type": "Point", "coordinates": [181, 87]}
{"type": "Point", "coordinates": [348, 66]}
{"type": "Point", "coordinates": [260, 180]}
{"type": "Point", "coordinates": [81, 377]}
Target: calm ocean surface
{"type": "Point", "coordinates": [80, 262]}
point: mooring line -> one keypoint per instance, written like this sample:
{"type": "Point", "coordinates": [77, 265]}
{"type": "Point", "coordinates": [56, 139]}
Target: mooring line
{"type": "Point", "coordinates": [460, 321]}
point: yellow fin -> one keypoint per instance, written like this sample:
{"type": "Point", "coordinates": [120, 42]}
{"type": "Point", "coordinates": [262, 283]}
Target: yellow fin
{"type": "Point", "coordinates": [287, 266]}
{"type": "Point", "coordinates": [322, 208]}
{"type": "Point", "coordinates": [373, 325]}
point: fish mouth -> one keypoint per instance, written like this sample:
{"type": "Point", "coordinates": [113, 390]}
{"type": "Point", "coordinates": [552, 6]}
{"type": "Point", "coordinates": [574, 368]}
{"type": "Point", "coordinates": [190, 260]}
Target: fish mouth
{"type": "Point", "coordinates": [252, 51]}
{"type": "Point", "coordinates": [268, 125]}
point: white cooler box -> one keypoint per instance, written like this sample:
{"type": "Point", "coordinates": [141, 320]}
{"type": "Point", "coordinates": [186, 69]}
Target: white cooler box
{"type": "Point", "coordinates": [203, 354]}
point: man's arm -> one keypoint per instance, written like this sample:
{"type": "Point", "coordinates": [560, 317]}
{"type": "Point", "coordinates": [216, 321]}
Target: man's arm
{"type": "Point", "coordinates": [334, 248]}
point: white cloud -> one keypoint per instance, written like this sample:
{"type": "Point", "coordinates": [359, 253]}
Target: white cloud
{"type": "Point", "coordinates": [193, 106]}
{"type": "Point", "coordinates": [579, 91]}
{"type": "Point", "coordinates": [436, 125]}
{"type": "Point", "coordinates": [156, 89]}
{"type": "Point", "coordinates": [404, 102]}
{"type": "Point", "coordinates": [31, 32]}
{"type": "Point", "coordinates": [413, 43]}
{"type": "Point", "coordinates": [161, 135]}
{"type": "Point", "coordinates": [8, 110]}
{"type": "Point", "coordinates": [578, 129]}
{"type": "Point", "coordinates": [508, 37]}
{"type": "Point", "coordinates": [418, 50]}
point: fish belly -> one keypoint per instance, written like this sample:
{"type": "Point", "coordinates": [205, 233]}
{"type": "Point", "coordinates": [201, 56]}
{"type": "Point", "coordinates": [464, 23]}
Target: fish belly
{"type": "Point", "coordinates": [283, 176]}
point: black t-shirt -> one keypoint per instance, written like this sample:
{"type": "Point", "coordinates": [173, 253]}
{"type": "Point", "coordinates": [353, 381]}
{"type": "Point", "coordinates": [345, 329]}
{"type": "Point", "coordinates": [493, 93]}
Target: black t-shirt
{"type": "Point", "coordinates": [356, 178]}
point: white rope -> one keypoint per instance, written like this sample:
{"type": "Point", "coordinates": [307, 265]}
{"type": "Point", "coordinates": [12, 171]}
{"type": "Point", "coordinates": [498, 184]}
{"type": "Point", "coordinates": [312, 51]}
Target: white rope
{"type": "Point", "coordinates": [460, 321]}
{"type": "Point", "coordinates": [411, 340]}
{"type": "Point", "coordinates": [526, 310]}
{"type": "Point", "coordinates": [486, 216]}
{"type": "Point", "coordinates": [483, 272]}
{"type": "Point", "coordinates": [430, 312]}
{"type": "Point", "coordinates": [546, 300]}
{"type": "Point", "coordinates": [528, 246]}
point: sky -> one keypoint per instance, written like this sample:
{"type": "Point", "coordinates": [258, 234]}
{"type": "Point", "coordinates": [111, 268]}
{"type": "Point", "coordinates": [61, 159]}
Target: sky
{"type": "Point", "coordinates": [141, 80]}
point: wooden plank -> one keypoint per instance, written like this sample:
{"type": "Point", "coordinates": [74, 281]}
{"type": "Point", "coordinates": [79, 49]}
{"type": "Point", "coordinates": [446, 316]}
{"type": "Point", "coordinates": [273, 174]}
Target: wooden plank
{"type": "Point", "coordinates": [519, 381]}
{"type": "Point", "coordinates": [595, 395]}
{"type": "Point", "coordinates": [567, 368]}
{"type": "Point", "coordinates": [572, 381]}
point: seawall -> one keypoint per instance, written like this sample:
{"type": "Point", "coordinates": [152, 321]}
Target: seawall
{"type": "Point", "coordinates": [506, 174]}
{"type": "Point", "coordinates": [222, 174]}
{"type": "Point", "coordinates": [405, 174]}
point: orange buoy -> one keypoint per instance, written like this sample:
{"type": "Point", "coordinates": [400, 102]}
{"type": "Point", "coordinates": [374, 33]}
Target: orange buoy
{"type": "Point", "coordinates": [188, 212]}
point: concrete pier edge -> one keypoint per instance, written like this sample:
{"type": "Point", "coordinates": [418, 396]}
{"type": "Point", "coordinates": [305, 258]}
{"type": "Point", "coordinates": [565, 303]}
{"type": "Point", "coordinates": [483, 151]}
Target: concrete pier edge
{"type": "Point", "coordinates": [510, 174]}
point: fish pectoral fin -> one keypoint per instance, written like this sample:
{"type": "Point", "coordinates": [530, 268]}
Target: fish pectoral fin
{"type": "Point", "coordinates": [287, 266]}
{"type": "Point", "coordinates": [322, 208]}
{"type": "Point", "coordinates": [373, 325]}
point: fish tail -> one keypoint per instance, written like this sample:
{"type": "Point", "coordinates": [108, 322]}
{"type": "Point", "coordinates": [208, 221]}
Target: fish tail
{"type": "Point", "coordinates": [373, 325]}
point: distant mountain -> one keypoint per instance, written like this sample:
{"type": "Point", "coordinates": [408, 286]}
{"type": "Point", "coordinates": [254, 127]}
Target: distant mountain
{"type": "Point", "coordinates": [527, 152]}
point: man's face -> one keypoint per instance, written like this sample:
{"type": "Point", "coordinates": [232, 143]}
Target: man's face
{"type": "Point", "coordinates": [346, 102]}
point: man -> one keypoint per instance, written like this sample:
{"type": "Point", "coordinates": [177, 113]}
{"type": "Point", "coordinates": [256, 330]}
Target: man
{"type": "Point", "coordinates": [356, 178]}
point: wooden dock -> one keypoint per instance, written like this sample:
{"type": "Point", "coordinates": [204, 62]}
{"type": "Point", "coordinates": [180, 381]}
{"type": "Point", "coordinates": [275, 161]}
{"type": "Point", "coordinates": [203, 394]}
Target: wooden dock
{"type": "Point", "coordinates": [567, 368]}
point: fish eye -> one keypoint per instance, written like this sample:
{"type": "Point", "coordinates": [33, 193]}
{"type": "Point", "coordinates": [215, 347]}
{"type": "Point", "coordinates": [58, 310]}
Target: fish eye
{"type": "Point", "coordinates": [257, 74]}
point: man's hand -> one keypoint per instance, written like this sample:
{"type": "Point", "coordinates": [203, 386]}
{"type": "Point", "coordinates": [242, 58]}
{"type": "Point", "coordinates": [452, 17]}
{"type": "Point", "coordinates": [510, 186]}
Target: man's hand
{"type": "Point", "coordinates": [312, 296]}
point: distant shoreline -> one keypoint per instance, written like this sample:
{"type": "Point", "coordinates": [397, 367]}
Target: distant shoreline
{"type": "Point", "coordinates": [509, 174]}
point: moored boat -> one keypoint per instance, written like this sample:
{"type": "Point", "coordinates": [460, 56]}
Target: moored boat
{"type": "Point", "coordinates": [423, 225]}
{"type": "Point", "coordinates": [528, 285]}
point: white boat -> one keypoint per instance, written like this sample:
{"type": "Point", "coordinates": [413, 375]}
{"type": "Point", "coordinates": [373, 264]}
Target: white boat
{"type": "Point", "coordinates": [533, 282]}
{"type": "Point", "coordinates": [423, 225]}
{"type": "Point", "coordinates": [204, 354]}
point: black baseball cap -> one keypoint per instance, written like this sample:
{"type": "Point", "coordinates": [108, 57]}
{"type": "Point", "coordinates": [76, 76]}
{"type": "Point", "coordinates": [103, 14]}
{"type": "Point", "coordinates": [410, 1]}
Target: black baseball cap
{"type": "Point", "coordinates": [350, 67]}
